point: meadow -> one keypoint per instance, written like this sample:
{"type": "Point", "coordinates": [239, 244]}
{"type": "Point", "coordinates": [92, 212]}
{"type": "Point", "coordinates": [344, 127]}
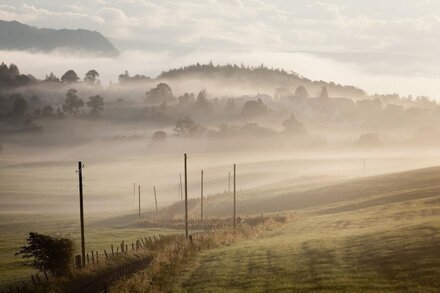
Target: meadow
{"type": "Point", "coordinates": [39, 193]}
{"type": "Point", "coordinates": [389, 246]}
{"type": "Point", "coordinates": [16, 227]}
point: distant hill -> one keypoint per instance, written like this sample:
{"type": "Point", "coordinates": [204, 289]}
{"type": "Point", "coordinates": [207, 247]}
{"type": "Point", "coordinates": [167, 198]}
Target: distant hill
{"type": "Point", "coordinates": [258, 76]}
{"type": "Point", "coordinates": [18, 36]}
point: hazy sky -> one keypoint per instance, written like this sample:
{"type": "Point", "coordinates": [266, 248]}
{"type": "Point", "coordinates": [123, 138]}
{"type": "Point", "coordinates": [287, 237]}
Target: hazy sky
{"type": "Point", "coordinates": [387, 45]}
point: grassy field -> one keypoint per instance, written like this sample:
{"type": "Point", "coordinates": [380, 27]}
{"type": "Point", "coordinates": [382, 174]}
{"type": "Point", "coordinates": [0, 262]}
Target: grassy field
{"type": "Point", "coordinates": [15, 228]}
{"type": "Point", "coordinates": [347, 244]}
{"type": "Point", "coordinates": [317, 189]}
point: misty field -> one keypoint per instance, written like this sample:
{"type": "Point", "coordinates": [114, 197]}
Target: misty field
{"type": "Point", "coordinates": [46, 180]}
{"type": "Point", "coordinates": [392, 245]}
{"type": "Point", "coordinates": [42, 196]}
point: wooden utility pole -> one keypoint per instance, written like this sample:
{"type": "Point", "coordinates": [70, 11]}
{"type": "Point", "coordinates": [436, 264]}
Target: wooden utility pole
{"type": "Point", "coordinates": [201, 197]}
{"type": "Point", "coordinates": [234, 198]}
{"type": "Point", "coordinates": [229, 182]}
{"type": "Point", "coordinates": [139, 198]}
{"type": "Point", "coordinates": [81, 215]}
{"type": "Point", "coordinates": [155, 199]}
{"type": "Point", "coordinates": [181, 187]}
{"type": "Point", "coordinates": [186, 199]}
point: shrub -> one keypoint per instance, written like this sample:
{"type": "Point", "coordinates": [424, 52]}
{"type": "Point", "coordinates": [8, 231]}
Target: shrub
{"type": "Point", "coordinates": [50, 253]}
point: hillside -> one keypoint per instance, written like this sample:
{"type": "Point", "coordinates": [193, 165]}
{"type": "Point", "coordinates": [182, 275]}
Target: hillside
{"type": "Point", "coordinates": [233, 75]}
{"type": "Point", "coordinates": [375, 234]}
{"type": "Point", "coordinates": [389, 246]}
{"type": "Point", "coordinates": [323, 197]}
{"type": "Point", "coordinates": [18, 36]}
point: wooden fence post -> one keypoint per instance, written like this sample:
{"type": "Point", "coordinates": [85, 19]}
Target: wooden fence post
{"type": "Point", "coordinates": [139, 195]}
{"type": "Point", "coordinates": [78, 261]}
{"type": "Point", "coordinates": [155, 200]}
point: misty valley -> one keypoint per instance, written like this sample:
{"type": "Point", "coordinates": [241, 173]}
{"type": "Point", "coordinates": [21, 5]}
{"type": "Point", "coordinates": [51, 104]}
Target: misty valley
{"type": "Point", "coordinates": [219, 146]}
{"type": "Point", "coordinates": [302, 147]}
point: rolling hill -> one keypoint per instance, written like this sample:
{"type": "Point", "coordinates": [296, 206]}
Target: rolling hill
{"type": "Point", "coordinates": [18, 36]}
{"type": "Point", "coordinates": [379, 234]}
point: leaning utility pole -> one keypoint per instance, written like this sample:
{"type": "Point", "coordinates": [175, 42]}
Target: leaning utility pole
{"type": "Point", "coordinates": [234, 198]}
{"type": "Point", "coordinates": [186, 199]}
{"type": "Point", "coordinates": [81, 215]}
{"type": "Point", "coordinates": [155, 199]}
{"type": "Point", "coordinates": [139, 197]}
{"type": "Point", "coordinates": [201, 197]}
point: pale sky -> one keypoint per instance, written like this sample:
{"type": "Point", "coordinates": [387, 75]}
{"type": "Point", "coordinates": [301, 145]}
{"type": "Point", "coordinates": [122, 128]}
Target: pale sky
{"type": "Point", "coordinates": [387, 45]}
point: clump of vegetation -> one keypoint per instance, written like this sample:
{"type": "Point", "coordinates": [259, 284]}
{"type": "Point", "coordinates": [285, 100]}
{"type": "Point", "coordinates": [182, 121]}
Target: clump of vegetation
{"type": "Point", "coordinates": [49, 253]}
{"type": "Point", "coordinates": [174, 254]}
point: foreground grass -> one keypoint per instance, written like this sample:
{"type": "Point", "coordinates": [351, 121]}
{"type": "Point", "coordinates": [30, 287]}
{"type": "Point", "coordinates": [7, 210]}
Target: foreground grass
{"type": "Point", "coordinates": [394, 247]}
{"type": "Point", "coordinates": [15, 229]}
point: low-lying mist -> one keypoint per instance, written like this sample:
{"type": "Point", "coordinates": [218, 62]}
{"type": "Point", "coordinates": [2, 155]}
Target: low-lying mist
{"type": "Point", "coordinates": [379, 79]}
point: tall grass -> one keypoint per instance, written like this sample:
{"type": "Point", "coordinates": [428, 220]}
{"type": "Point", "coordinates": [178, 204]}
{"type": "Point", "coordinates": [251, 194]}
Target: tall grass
{"type": "Point", "coordinates": [173, 257]}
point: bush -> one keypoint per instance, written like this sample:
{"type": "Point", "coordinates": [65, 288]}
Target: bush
{"type": "Point", "coordinates": [50, 253]}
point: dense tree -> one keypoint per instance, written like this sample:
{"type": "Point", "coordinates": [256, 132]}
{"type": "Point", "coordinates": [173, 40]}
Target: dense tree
{"type": "Point", "coordinates": [293, 126]}
{"type": "Point", "coordinates": [96, 105]}
{"type": "Point", "coordinates": [72, 104]}
{"type": "Point", "coordinates": [126, 78]}
{"type": "Point", "coordinates": [53, 254]}
{"type": "Point", "coordinates": [301, 92]}
{"type": "Point", "coordinates": [51, 78]}
{"type": "Point", "coordinates": [91, 77]}
{"type": "Point", "coordinates": [186, 98]}
{"type": "Point", "coordinates": [161, 93]}
{"type": "Point", "coordinates": [254, 108]}
{"type": "Point", "coordinates": [20, 105]}
{"type": "Point", "coordinates": [202, 103]}
{"type": "Point", "coordinates": [10, 77]}
{"type": "Point", "coordinates": [324, 93]}
{"type": "Point", "coordinates": [186, 127]}
{"type": "Point", "coordinates": [69, 77]}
